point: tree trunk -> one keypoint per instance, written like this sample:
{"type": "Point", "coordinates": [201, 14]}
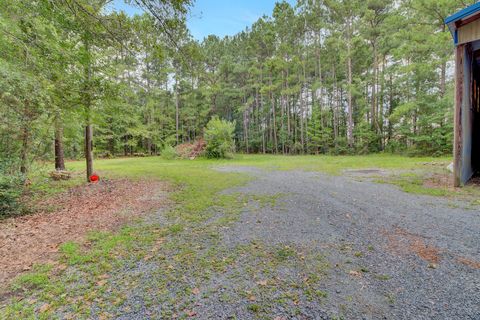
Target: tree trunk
{"type": "Point", "coordinates": [443, 77]}
{"type": "Point", "coordinates": [390, 109]}
{"type": "Point", "coordinates": [177, 109]}
{"type": "Point", "coordinates": [289, 115]}
{"type": "Point", "coordinates": [245, 125]}
{"type": "Point", "coordinates": [303, 103]}
{"type": "Point", "coordinates": [24, 149]}
{"type": "Point", "coordinates": [282, 114]}
{"type": "Point", "coordinates": [59, 157]}
{"type": "Point", "coordinates": [335, 108]}
{"type": "Point", "coordinates": [350, 106]}
{"type": "Point", "coordinates": [111, 146]}
{"type": "Point", "coordinates": [264, 142]}
{"type": "Point", "coordinates": [89, 150]}
{"type": "Point", "coordinates": [307, 137]}
{"type": "Point", "coordinates": [87, 103]}
{"type": "Point", "coordinates": [320, 84]}
{"type": "Point", "coordinates": [443, 72]}
{"type": "Point", "coordinates": [374, 90]}
{"type": "Point", "coordinates": [274, 124]}
{"type": "Point", "coordinates": [302, 140]}
{"type": "Point", "coordinates": [381, 106]}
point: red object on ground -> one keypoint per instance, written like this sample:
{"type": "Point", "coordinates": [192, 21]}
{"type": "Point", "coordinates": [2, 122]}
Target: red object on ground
{"type": "Point", "coordinates": [94, 178]}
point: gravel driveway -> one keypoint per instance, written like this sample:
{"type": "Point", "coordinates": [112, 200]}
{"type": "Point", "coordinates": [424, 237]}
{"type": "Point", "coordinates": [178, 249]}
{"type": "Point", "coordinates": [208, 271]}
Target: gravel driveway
{"type": "Point", "coordinates": [385, 254]}
{"type": "Point", "coordinates": [305, 245]}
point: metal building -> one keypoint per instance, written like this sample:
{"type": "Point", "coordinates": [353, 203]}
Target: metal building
{"type": "Point", "coordinates": [465, 28]}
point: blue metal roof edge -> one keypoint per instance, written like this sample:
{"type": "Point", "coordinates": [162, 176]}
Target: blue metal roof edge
{"type": "Point", "coordinates": [450, 21]}
{"type": "Point", "coordinates": [463, 13]}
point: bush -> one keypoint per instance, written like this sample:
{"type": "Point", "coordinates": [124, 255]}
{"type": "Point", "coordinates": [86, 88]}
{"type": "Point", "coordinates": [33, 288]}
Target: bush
{"type": "Point", "coordinates": [219, 138]}
{"type": "Point", "coordinates": [168, 153]}
{"type": "Point", "coordinates": [11, 189]}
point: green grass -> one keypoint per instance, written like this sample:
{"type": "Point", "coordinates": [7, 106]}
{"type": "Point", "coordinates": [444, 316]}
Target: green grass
{"type": "Point", "coordinates": [411, 171]}
{"type": "Point", "coordinates": [198, 173]}
{"type": "Point", "coordinates": [38, 278]}
{"type": "Point", "coordinates": [198, 183]}
{"type": "Point", "coordinates": [284, 253]}
{"type": "Point", "coordinates": [335, 164]}
{"type": "Point", "coordinates": [255, 308]}
{"type": "Point", "coordinates": [383, 277]}
{"type": "Point", "coordinates": [414, 183]}
{"type": "Point", "coordinates": [42, 185]}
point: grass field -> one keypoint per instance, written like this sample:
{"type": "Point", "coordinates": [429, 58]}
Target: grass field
{"type": "Point", "coordinates": [82, 281]}
{"type": "Point", "coordinates": [407, 172]}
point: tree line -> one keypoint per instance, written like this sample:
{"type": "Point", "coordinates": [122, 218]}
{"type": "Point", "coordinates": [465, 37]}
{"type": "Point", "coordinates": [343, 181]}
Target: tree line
{"type": "Point", "coordinates": [78, 79]}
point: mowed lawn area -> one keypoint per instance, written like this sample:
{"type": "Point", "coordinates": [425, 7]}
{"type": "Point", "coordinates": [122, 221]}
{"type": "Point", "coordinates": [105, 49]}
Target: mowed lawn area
{"type": "Point", "coordinates": [424, 175]}
{"type": "Point", "coordinates": [409, 170]}
{"type": "Point", "coordinates": [168, 257]}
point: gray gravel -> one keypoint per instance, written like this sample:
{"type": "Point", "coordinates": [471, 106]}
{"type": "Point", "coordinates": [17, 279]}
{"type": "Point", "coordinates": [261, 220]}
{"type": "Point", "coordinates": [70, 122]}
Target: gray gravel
{"type": "Point", "coordinates": [418, 253]}
{"type": "Point", "coordinates": [329, 247]}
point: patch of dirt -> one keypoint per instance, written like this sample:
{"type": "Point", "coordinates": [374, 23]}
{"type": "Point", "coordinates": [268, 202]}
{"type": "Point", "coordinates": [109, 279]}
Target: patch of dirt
{"type": "Point", "coordinates": [401, 241]}
{"type": "Point", "coordinates": [69, 216]}
{"type": "Point", "coordinates": [444, 181]}
{"type": "Point", "coordinates": [365, 172]}
{"type": "Point", "coordinates": [470, 263]}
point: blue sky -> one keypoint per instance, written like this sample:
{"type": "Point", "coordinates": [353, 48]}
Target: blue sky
{"type": "Point", "coordinates": [219, 17]}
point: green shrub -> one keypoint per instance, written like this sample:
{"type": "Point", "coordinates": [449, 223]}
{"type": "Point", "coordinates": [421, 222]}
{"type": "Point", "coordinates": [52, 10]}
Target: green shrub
{"type": "Point", "coordinates": [11, 188]}
{"type": "Point", "coordinates": [168, 153]}
{"type": "Point", "coordinates": [219, 137]}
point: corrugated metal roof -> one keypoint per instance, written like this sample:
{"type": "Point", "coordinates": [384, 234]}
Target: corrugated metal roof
{"type": "Point", "coordinates": [460, 15]}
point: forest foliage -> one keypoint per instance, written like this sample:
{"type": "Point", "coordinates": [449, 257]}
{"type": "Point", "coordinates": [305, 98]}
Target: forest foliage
{"type": "Point", "coordinates": [323, 76]}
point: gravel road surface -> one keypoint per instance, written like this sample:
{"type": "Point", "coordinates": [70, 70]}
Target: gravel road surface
{"type": "Point", "coordinates": [391, 255]}
{"type": "Point", "coordinates": [311, 246]}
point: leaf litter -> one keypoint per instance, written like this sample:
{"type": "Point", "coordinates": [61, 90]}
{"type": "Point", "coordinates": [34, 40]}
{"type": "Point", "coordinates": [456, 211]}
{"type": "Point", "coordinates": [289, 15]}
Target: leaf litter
{"type": "Point", "coordinates": [70, 216]}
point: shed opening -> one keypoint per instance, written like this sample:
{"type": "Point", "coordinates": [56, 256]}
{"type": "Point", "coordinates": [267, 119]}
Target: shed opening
{"type": "Point", "coordinates": [465, 28]}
